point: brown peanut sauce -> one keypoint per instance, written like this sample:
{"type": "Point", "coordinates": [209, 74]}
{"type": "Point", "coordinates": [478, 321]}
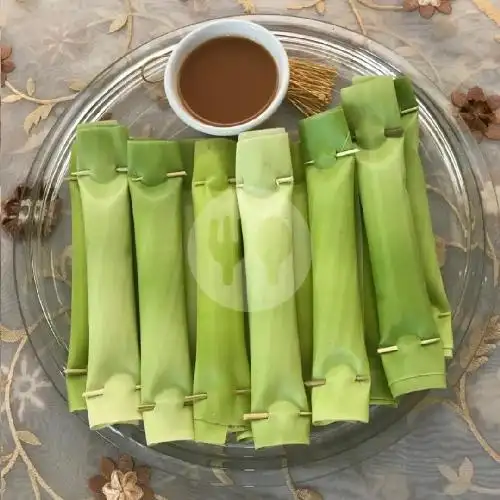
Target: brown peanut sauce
{"type": "Point", "coordinates": [227, 81]}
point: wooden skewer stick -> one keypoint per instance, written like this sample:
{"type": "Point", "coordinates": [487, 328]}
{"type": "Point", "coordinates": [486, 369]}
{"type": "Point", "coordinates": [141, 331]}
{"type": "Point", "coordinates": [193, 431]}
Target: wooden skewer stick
{"type": "Point", "coordinates": [240, 392]}
{"type": "Point", "coordinates": [188, 399]}
{"type": "Point", "coordinates": [195, 397]}
{"type": "Point", "coordinates": [264, 416]}
{"type": "Point", "coordinates": [315, 383]}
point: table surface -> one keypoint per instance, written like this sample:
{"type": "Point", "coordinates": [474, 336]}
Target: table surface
{"type": "Point", "coordinates": [452, 444]}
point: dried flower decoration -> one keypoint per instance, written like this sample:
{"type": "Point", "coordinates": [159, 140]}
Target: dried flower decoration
{"type": "Point", "coordinates": [25, 205]}
{"type": "Point", "coordinates": [122, 481]}
{"type": "Point", "coordinates": [7, 65]}
{"type": "Point", "coordinates": [427, 8]}
{"type": "Point", "coordinates": [307, 494]}
{"type": "Point", "coordinates": [480, 112]}
{"type": "Point", "coordinates": [248, 6]}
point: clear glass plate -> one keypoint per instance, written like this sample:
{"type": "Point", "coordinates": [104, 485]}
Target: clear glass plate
{"type": "Point", "coordinates": [455, 173]}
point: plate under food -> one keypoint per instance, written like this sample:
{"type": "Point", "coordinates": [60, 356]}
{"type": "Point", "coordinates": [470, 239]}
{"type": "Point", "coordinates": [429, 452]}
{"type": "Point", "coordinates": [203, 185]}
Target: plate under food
{"type": "Point", "coordinates": [455, 174]}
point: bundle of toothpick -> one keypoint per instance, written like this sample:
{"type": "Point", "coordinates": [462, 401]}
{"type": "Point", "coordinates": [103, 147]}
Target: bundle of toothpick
{"type": "Point", "coordinates": [311, 85]}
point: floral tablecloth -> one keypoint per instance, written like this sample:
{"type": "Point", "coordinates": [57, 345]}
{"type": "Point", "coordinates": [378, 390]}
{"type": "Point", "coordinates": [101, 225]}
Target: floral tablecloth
{"type": "Point", "coordinates": [452, 447]}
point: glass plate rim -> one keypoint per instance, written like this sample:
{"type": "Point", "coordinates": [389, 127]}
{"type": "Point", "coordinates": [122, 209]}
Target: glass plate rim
{"type": "Point", "coordinates": [44, 154]}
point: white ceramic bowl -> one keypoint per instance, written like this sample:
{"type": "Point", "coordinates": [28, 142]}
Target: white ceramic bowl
{"type": "Point", "coordinates": [216, 29]}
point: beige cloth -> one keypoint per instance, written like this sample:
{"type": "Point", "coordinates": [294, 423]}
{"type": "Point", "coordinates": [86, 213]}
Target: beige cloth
{"type": "Point", "coordinates": [59, 45]}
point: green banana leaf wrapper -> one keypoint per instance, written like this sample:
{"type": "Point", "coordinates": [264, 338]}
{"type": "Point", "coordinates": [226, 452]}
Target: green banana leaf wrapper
{"type": "Point", "coordinates": [155, 174]}
{"type": "Point", "coordinates": [264, 179]}
{"type": "Point", "coordinates": [380, 393]}
{"type": "Point", "coordinates": [76, 369]}
{"type": "Point", "coordinates": [340, 357]}
{"type": "Point", "coordinates": [302, 260]}
{"type": "Point", "coordinates": [417, 191]}
{"type": "Point", "coordinates": [221, 367]}
{"type": "Point", "coordinates": [189, 238]}
{"type": "Point", "coordinates": [113, 376]}
{"type": "Point", "coordinates": [410, 345]}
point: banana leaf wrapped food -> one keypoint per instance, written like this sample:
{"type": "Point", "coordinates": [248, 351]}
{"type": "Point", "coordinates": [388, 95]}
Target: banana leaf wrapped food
{"type": "Point", "coordinates": [417, 192]}
{"type": "Point", "coordinates": [222, 370]}
{"type": "Point", "coordinates": [76, 369]}
{"type": "Point", "coordinates": [302, 260]}
{"type": "Point", "coordinates": [112, 392]}
{"type": "Point", "coordinates": [189, 241]}
{"type": "Point", "coordinates": [380, 393]}
{"type": "Point", "coordinates": [340, 364]}
{"type": "Point", "coordinates": [264, 179]}
{"type": "Point", "coordinates": [156, 178]}
{"type": "Point", "coordinates": [410, 344]}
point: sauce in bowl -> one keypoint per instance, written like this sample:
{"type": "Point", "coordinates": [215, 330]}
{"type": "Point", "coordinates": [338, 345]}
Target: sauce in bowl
{"type": "Point", "coordinates": [227, 81]}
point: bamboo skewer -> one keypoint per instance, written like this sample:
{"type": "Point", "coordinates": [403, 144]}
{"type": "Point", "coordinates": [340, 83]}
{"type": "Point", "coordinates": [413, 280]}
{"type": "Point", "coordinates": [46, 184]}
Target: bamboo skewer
{"type": "Point", "coordinates": [263, 416]}
{"type": "Point", "coordinates": [193, 398]}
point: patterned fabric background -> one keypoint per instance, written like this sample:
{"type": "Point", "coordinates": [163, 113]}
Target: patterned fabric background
{"type": "Point", "coordinates": [451, 443]}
